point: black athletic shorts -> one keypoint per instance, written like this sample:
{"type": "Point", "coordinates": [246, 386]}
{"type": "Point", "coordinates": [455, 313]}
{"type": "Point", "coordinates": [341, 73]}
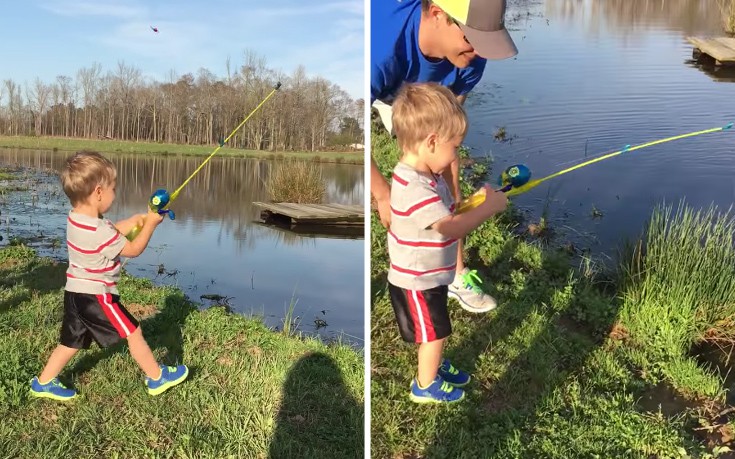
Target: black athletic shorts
{"type": "Point", "coordinates": [422, 315]}
{"type": "Point", "coordinates": [94, 317]}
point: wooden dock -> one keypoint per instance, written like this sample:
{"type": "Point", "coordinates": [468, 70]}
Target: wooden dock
{"type": "Point", "coordinates": [720, 49]}
{"type": "Point", "coordinates": [334, 215]}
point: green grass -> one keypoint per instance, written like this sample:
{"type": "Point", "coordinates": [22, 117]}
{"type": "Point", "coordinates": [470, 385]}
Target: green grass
{"type": "Point", "coordinates": [5, 175]}
{"type": "Point", "coordinates": [114, 146]}
{"type": "Point", "coordinates": [567, 366]}
{"type": "Point", "coordinates": [251, 392]}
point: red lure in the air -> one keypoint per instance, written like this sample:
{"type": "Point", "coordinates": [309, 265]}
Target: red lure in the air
{"type": "Point", "coordinates": [155, 29]}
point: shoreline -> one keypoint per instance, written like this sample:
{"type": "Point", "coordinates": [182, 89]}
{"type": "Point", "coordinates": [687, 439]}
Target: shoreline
{"type": "Point", "coordinates": [163, 149]}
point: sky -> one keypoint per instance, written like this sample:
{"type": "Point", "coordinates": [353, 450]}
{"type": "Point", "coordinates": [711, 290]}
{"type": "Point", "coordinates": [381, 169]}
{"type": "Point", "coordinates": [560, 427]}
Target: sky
{"type": "Point", "coordinates": [46, 38]}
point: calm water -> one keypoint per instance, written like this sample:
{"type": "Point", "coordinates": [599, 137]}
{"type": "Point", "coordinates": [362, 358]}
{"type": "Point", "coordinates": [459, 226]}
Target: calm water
{"type": "Point", "coordinates": [213, 246]}
{"type": "Point", "coordinates": [596, 75]}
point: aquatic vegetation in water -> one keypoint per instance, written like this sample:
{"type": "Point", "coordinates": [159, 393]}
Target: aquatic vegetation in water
{"type": "Point", "coordinates": [500, 134]}
{"type": "Point", "coordinates": [727, 8]}
{"type": "Point", "coordinates": [296, 181]}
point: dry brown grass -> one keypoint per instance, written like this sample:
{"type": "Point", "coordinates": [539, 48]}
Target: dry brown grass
{"type": "Point", "coordinates": [296, 181]}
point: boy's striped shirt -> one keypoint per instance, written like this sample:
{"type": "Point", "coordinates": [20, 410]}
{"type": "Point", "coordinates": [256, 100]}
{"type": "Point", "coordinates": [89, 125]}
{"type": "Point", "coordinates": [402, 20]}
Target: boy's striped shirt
{"type": "Point", "coordinates": [420, 257]}
{"type": "Point", "coordinates": [94, 255]}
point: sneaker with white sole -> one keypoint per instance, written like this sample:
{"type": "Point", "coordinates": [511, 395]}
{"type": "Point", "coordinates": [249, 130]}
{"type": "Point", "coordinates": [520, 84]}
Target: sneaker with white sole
{"type": "Point", "coordinates": [466, 290]}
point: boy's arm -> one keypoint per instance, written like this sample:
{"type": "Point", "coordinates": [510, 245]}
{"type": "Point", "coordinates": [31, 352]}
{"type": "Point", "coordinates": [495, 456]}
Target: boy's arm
{"type": "Point", "coordinates": [125, 226]}
{"type": "Point", "coordinates": [135, 247]}
{"type": "Point", "coordinates": [459, 226]}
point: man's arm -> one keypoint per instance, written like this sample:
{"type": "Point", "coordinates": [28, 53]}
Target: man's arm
{"type": "Point", "coordinates": [380, 190]}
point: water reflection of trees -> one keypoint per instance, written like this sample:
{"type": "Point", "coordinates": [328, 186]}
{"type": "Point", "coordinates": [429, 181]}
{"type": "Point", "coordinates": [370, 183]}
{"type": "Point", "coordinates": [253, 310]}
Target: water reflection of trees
{"type": "Point", "coordinates": [223, 190]}
{"type": "Point", "coordinates": [684, 16]}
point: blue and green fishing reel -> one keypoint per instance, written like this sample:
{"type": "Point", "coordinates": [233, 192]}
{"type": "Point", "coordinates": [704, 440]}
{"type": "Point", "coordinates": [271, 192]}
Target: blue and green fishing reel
{"type": "Point", "coordinates": [514, 176]}
{"type": "Point", "coordinates": [159, 200]}
{"type": "Point", "coordinates": [157, 203]}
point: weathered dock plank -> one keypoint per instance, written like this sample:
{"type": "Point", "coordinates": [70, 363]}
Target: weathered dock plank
{"type": "Point", "coordinates": [313, 214]}
{"type": "Point", "coordinates": [721, 49]}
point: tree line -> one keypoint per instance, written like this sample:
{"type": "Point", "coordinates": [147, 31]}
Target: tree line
{"type": "Point", "coordinates": [306, 114]}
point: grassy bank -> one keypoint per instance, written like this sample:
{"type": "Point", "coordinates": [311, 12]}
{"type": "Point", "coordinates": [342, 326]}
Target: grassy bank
{"type": "Point", "coordinates": [251, 392]}
{"type": "Point", "coordinates": [115, 146]}
{"type": "Point", "coordinates": [577, 361]}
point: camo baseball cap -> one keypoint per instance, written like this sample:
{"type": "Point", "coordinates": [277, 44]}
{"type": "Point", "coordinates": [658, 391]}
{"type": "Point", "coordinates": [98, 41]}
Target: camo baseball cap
{"type": "Point", "coordinates": [483, 24]}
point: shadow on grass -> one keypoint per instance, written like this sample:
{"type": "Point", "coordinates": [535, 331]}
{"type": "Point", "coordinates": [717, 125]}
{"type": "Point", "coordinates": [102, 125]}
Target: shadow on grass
{"type": "Point", "coordinates": [500, 406]}
{"type": "Point", "coordinates": [161, 331]}
{"type": "Point", "coordinates": [318, 418]}
{"type": "Point", "coordinates": [44, 276]}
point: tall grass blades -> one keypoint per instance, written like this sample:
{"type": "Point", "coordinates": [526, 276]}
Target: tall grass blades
{"type": "Point", "coordinates": [680, 282]}
{"type": "Point", "coordinates": [727, 8]}
{"type": "Point", "coordinates": [296, 181]}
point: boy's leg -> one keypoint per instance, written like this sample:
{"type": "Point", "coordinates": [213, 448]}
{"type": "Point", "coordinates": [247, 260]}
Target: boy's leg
{"type": "Point", "coordinates": [430, 357]}
{"type": "Point", "coordinates": [109, 322]}
{"type": "Point", "coordinates": [141, 352]}
{"type": "Point", "coordinates": [58, 360]}
{"type": "Point", "coordinates": [423, 318]}
{"type": "Point", "coordinates": [160, 378]}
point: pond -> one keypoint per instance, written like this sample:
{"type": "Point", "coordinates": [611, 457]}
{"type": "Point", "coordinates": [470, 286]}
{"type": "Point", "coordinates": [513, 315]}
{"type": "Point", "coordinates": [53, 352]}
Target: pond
{"type": "Point", "coordinates": [214, 246]}
{"type": "Point", "coordinates": [593, 76]}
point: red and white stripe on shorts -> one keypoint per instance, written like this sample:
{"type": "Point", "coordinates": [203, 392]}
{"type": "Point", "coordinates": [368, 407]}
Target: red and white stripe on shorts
{"type": "Point", "coordinates": [422, 324]}
{"type": "Point", "coordinates": [115, 315]}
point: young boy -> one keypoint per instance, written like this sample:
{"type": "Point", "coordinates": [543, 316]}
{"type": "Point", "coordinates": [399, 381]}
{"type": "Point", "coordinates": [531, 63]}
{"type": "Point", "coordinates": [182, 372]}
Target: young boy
{"type": "Point", "coordinates": [430, 125]}
{"type": "Point", "coordinates": [92, 309]}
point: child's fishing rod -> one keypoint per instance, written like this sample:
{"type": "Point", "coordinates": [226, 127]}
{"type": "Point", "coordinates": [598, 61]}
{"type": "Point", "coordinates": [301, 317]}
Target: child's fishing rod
{"type": "Point", "coordinates": [517, 178]}
{"type": "Point", "coordinates": [161, 200]}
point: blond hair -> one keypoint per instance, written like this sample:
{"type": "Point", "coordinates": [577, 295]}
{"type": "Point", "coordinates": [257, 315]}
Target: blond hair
{"type": "Point", "coordinates": [83, 172]}
{"type": "Point", "coordinates": [421, 109]}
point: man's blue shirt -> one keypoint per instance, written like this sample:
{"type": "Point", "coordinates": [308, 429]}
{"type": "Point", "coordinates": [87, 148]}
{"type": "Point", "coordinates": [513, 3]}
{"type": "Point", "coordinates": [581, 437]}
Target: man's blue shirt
{"type": "Point", "coordinates": [396, 58]}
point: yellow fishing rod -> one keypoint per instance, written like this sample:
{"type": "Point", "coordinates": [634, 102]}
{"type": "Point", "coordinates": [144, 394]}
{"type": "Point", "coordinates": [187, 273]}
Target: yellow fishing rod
{"type": "Point", "coordinates": [516, 179]}
{"type": "Point", "coordinates": [160, 200]}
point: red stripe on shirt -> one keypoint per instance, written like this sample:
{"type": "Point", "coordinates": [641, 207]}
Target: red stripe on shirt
{"type": "Point", "coordinates": [81, 226]}
{"type": "Point", "coordinates": [416, 207]}
{"type": "Point", "coordinates": [97, 271]}
{"type": "Point", "coordinates": [98, 249]}
{"type": "Point", "coordinates": [421, 273]}
{"type": "Point", "coordinates": [109, 284]}
{"type": "Point", "coordinates": [401, 181]}
{"type": "Point", "coordinates": [435, 244]}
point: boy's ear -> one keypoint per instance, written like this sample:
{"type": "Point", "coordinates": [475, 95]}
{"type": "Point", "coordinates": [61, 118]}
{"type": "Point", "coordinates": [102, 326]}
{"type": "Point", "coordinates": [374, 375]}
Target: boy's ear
{"type": "Point", "coordinates": [98, 192]}
{"type": "Point", "coordinates": [431, 141]}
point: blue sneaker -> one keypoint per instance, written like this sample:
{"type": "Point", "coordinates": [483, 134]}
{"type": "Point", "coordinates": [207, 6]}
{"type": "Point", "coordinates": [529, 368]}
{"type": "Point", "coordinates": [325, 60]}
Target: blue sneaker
{"type": "Point", "coordinates": [52, 389]}
{"type": "Point", "coordinates": [170, 376]}
{"type": "Point", "coordinates": [439, 391]}
{"type": "Point", "coordinates": [453, 376]}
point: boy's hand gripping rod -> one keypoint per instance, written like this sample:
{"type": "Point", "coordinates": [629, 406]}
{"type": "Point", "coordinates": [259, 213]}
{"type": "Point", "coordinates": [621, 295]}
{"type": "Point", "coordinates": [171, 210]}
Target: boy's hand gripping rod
{"type": "Point", "coordinates": [160, 200]}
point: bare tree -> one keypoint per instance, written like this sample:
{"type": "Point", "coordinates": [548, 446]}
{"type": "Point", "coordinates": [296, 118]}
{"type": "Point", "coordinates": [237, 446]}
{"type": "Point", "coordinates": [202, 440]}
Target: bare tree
{"type": "Point", "coordinates": [201, 109]}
